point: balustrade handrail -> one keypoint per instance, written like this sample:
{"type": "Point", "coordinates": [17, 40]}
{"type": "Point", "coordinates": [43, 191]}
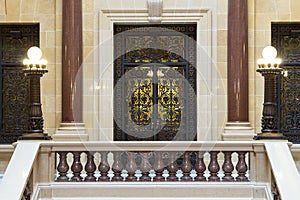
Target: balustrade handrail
{"type": "Point", "coordinates": [154, 146]}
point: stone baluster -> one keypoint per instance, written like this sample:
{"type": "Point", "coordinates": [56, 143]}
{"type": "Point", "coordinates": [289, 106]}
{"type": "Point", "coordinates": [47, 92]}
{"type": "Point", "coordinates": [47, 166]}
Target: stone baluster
{"type": "Point", "coordinates": [76, 167]}
{"type": "Point", "coordinates": [200, 167]}
{"type": "Point", "coordinates": [90, 167]}
{"type": "Point", "coordinates": [117, 167]}
{"type": "Point", "coordinates": [62, 167]}
{"type": "Point", "coordinates": [227, 166]}
{"type": "Point", "coordinates": [213, 166]}
{"type": "Point", "coordinates": [158, 167]}
{"type": "Point", "coordinates": [241, 167]}
{"type": "Point", "coordinates": [131, 167]}
{"type": "Point", "coordinates": [104, 167]}
{"type": "Point", "coordinates": [172, 167]}
{"type": "Point", "coordinates": [145, 166]}
{"type": "Point", "coordinates": [186, 167]}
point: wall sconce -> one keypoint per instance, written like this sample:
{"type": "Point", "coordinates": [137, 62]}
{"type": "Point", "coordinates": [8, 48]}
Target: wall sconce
{"type": "Point", "coordinates": [269, 67]}
{"type": "Point", "coordinates": [34, 69]}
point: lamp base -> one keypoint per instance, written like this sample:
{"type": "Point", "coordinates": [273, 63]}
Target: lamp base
{"type": "Point", "coordinates": [269, 136]}
{"type": "Point", "coordinates": [35, 136]}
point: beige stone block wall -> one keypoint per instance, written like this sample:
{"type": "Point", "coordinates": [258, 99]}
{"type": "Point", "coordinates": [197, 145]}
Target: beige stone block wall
{"type": "Point", "coordinates": [252, 63]}
{"type": "Point", "coordinates": [89, 33]}
{"type": "Point", "coordinates": [221, 65]}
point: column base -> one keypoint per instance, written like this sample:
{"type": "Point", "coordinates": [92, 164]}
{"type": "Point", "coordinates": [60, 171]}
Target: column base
{"type": "Point", "coordinates": [238, 131]}
{"type": "Point", "coordinates": [71, 132]}
{"type": "Point", "coordinates": [269, 136]}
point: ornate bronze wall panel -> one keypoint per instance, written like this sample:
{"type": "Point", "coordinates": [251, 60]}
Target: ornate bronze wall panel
{"type": "Point", "coordinates": [286, 38]}
{"type": "Point", "coordinates": [155, 82]}
{"type": "Point", "coordinates": [15, 39]}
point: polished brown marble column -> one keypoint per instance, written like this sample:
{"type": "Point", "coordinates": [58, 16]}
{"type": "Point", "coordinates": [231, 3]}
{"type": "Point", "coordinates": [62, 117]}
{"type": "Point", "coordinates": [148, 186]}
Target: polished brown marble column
{"type": "Point", "coordinates": [71, 61]}
{"type": "Point", "coordinates": [237, 68]}
{"type": "Point", "coordinates": [72, 126]}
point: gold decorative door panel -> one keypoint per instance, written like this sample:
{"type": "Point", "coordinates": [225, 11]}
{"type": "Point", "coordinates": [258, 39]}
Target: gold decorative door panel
{"type": "Point", "coordinates": [154, 102]}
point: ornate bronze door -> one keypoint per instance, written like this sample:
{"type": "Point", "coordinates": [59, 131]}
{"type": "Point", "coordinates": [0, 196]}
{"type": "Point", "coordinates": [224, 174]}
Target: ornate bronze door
{"type": "Point", "coordinates": [155, 82]}
{"type": "Point", "coordinates": [286, 38]}
{"type": "Point", "coordinates": [15, 39]}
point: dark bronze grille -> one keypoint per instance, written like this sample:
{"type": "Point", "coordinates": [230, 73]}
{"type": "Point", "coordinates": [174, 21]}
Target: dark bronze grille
{"type": "Point", "coordinates": [155, 82]}
{"type": "Point", "coordinates": [15, 39]}
{"type": "Point", "coordinates": [286, 38]}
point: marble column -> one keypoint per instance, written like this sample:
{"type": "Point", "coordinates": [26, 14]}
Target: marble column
{"type": "Point", "coordinates": [72, 126]}
{"type": "Point", "coordinates": [238, 126]}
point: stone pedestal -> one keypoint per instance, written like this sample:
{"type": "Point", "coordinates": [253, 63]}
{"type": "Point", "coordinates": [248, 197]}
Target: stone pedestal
{"type": "Point", "coordinates": [238, 131]}
{"type": "Point", "coordinates": [71, 132]}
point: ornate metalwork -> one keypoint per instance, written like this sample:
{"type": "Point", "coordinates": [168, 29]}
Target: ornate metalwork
{"type": "Point", "coordinates": [152, 96]}
{"type": "Point", "coordinates": [141, 103]}
{"type": "Point", "coordinates": [15, 39]}
{"type": "Point", "coordinates": [14, 46]}
{"type": "Point", "coordinates": [15, 97]}
{"type": "Point", "coordinates": [286, 38]}
{"type": "Point", "coordinates": [169, 102]}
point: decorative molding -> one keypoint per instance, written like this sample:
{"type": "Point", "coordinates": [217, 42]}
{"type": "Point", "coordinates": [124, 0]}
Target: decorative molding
{"type": "Point", "coordinates": [206, 72]}
{"type": "Point", "coordinates": [155, 8]}
{"type": "Point", "coordinates": [168, 15]}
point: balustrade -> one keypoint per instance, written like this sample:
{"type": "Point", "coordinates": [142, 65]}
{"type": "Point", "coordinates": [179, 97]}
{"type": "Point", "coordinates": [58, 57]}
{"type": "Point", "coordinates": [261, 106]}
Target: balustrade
{"type": "Point", "coordinates": [146, 162]}
{"type": "Point", "coordinates": [140, 166]}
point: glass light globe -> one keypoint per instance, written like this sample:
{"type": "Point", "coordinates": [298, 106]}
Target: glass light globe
{"type": "Point", "coordinates": [260, 61]}
{"type": "Point", "coordinates": [26, 61]}
{"type": "Point", "coordinates": [269, 53]}
{"type": "Point", "coordinates": [44, 62]}
{"type": "Point", "coordinates": [278, 61]}
{"type": "Point", "coordinates": [34, 53]}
